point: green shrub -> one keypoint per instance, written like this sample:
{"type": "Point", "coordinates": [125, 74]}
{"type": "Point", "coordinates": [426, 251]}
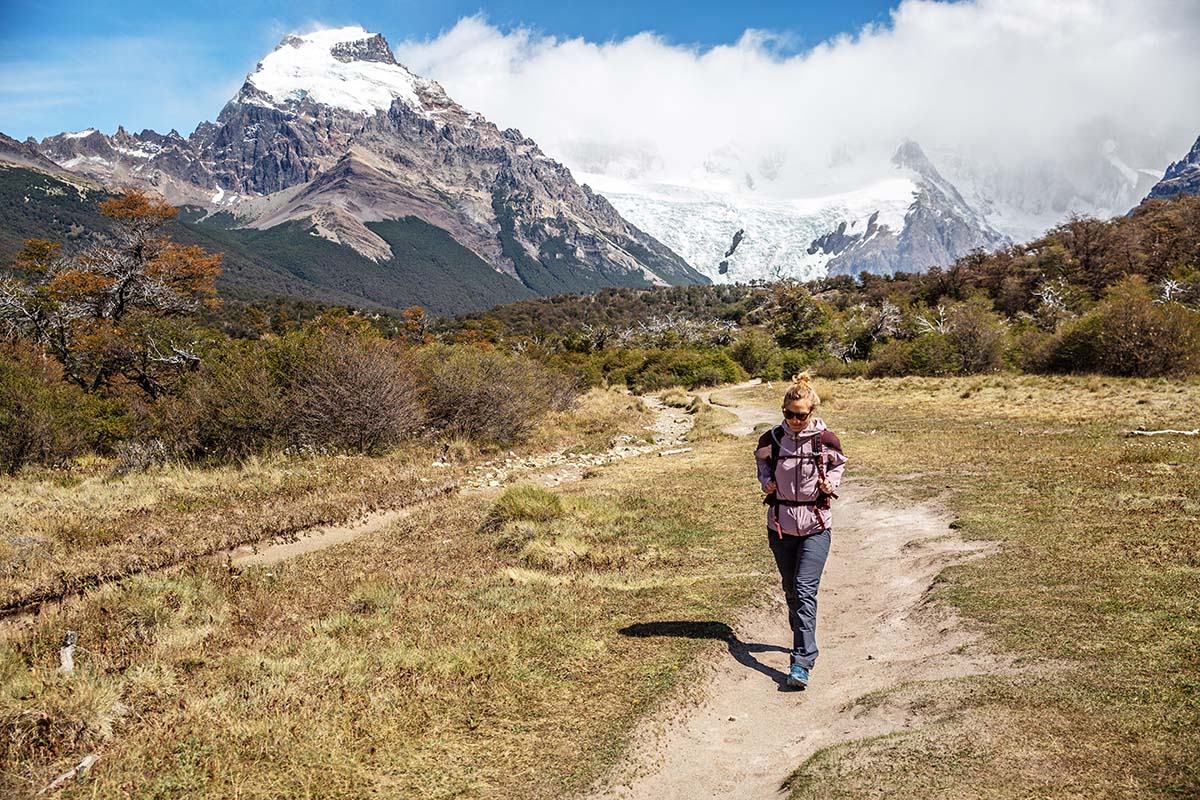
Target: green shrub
{"type": "Point", "coordinates": [661, 369]}
{"type": "Point", "coordinates": [787, 362]}
{"type": "Point", "coordinates": [525, 503]}
{"type": "Point", "coordinates": [976, 334]}
{"type": "Point", "coordinates": [891, 359]}
{"type": "Point", "coordinates": [488, 396]}
{"type": "Point", "coordinates": [830, 367]}
{"type": "Point", "coordinates": [45, 420]}
{"type": "Point", "coordinates": [971, 341]}
{"type": "Point", "coordinates": [1129, 334]}
{"type": "Point", "coordinates": [754, 350]}
{"type": "Point", "coordinates": [236, 406]}
{"type": "Point", "coordinates": [1027, 347]}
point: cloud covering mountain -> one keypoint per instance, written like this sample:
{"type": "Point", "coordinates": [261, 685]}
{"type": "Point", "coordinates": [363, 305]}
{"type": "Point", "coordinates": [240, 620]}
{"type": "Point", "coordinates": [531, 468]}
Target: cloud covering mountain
{"type": "Point", "coordinates": [1018, 83]}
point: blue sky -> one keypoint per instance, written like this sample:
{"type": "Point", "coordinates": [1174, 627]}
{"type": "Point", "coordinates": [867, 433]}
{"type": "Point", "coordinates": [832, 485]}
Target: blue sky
{"type": "Point", "coordinates": [70, 65]}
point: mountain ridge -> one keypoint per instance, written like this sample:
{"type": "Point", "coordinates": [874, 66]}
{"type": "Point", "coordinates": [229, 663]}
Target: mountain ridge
{"type": "Point", "coordinates": [329, 128]}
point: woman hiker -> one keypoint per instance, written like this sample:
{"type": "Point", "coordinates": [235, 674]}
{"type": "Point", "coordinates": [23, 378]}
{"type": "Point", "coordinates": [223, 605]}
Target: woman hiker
{"type": "Point", "coordinates": [800, 464]}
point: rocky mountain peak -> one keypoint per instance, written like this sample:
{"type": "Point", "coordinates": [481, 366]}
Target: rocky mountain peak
{"type": "Point", "coordinates": [938, 227]}
{"type": "Point", "coordinates": [374, 48]}
{"type": "Point", "coordinates": [331, 136]}
{"type": "Point", "coordinates": [350, 69]}
{"type": "Point", "coordinates": [1182, 177]}
{"type": "Point", "coordinates": [909, 155]}
{"type": "Point", "coordinates": [26, 154]}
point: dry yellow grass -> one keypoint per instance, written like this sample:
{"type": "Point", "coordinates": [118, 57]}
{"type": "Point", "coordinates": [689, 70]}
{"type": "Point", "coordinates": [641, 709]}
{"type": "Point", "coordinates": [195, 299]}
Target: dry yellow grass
{"type": "Point", "coordinates": [446, 656]}
{"type": "Point", "coordinates": [61, 531]}
{"type": "Point", "coordinates": [598, 416]}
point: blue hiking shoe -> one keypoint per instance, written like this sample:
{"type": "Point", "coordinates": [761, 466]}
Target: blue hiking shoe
{"type": "Point", "coordinates": [798, 677]}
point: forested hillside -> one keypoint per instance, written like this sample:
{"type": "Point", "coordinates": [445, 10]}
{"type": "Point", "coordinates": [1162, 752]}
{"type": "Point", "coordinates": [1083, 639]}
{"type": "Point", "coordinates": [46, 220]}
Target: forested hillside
{"type": "Point", "coordinates": [1118, 296]}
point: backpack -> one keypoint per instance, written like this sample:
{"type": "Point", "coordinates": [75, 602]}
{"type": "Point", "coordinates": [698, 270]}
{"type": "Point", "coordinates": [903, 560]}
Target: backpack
{"type": "Point", "coordinates": [825, 439]}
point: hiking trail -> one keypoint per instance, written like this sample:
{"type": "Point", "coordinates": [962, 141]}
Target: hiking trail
{"type": "Point", "coordinates": [742, 733]}
{"type": "Point", "coordinates": [488, 478]}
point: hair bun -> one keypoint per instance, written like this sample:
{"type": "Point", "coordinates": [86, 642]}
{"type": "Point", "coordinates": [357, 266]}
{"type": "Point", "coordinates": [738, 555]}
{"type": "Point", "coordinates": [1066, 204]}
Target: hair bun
{"type": "Point", "coordinates": [801, 388]}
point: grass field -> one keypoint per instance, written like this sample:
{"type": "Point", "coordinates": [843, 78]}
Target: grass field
{"type": "Point", "coordinates": [63, 530]}
{"type": "Point", "coordinates": [476, 649]}
{"type": "Point", "coordinates": [470, 650]}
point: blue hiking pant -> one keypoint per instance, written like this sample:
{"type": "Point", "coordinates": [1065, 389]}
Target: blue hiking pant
{"type": "Point", "coordinates": [801, 559]}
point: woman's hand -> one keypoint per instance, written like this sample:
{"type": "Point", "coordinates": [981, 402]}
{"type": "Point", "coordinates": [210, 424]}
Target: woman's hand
{"type": "Point", "coordinates": [768, 487]}
{"type": "Point", "coordinates": [824, 486]}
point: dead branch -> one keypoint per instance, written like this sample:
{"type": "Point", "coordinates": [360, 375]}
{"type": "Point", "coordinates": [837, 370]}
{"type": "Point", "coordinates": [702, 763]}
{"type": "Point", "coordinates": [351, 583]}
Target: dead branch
{"type": "Point", "coordinates": [79, 769]}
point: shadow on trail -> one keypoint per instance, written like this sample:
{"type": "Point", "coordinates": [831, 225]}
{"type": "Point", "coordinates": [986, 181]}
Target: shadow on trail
{"type": "Point", "coordinates": [742, 652]}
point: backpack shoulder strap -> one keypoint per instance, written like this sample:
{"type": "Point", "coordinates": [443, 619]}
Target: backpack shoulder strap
{"type": "Point", "coordinates": [768, 447]}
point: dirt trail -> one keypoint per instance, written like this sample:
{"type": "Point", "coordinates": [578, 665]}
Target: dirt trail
{"type": "Point", "coordinates": [488, 478]}
{"type": "Point", "coordinates": [749, 416]}
{"type": "Point", "coordinates": [747, 732]}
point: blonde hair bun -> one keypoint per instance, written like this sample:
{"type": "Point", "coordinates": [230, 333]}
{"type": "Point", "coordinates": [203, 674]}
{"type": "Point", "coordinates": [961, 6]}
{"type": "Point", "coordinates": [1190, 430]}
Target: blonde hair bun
{"type": "Point", "coordinates": [801, 389]}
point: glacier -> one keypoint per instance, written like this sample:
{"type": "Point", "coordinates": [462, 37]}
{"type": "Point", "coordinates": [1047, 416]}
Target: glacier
{"type": "Point", "coordinates": [699, 224]}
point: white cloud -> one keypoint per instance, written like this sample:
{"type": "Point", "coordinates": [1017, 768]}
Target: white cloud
{"type": "Point", "coordinates": [1018, 81]}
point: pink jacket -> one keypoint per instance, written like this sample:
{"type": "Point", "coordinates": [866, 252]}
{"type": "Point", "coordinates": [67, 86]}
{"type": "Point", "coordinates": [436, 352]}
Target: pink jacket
{"type": "Point", "coordinates": [796, 476]}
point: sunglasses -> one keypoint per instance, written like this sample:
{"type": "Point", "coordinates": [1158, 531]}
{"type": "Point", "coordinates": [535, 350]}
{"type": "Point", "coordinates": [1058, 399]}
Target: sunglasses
{"type": "Point", "coordinates": [800, 415]}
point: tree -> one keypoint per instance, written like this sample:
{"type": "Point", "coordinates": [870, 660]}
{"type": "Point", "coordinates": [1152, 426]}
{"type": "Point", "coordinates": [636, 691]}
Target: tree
{"type": "Point", "coordinates": [799, 320]}
{"type": "Point", "coordinates": [120, 308]}
{"type": "Point", "coordinates": [754, 351]}
{"type": "Point", "coordinates": [977, 334]}
{"type": "Point", "coordinates": [414, 327]}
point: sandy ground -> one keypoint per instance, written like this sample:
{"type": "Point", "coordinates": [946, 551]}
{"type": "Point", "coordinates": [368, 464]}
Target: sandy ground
{"type": "Point", "coordinates": [749, 416]}
{"type": "Point", "coordinates": [748, 731]}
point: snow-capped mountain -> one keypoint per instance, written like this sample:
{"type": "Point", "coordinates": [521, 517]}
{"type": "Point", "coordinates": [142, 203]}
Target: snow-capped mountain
{"type": "Point", "coordinates": [939, 226]}
{"type": "Point", "coordinates": [1182, 177]}
{"type": "Point", "coordinates": [907, 219]}
{"type": "Point", "coordinates": [330, 131]}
